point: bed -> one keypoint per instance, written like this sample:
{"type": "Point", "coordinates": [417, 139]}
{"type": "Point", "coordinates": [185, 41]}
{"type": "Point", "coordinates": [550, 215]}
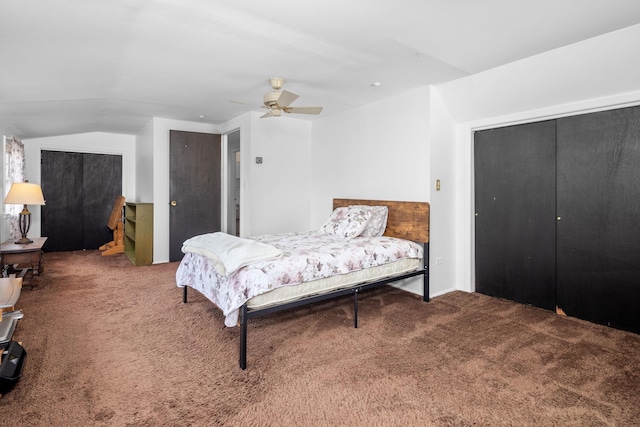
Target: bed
{"type": "Point", "coordinates": [289, 270]}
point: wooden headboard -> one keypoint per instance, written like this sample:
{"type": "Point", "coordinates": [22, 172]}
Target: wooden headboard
{"type": "Point", "coordinates": [407, 220]}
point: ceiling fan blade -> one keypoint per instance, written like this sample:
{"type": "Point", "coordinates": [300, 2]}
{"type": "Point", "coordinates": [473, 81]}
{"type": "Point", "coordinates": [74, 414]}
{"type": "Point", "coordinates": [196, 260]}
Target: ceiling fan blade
{"type": "Point", "coordinates": [303, 110]}
{"type": "Point", "coordinates": [286, 98]}
{"type": "Point", "coordinates": [250, 105]}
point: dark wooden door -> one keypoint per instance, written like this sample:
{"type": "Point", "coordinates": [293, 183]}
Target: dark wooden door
{"type": "Point", "coordinates": [79, 189]}
{"type": "Point", "coordinates": [102, 184]}
{"type": "Point", "coordinates": [599, 209]}
{"type": "Point", "coordinates": [195, 187]}
{"type": "Point", "coordinates": [515, 205]}
{"type": "Point", "coordinates": [62, 217]}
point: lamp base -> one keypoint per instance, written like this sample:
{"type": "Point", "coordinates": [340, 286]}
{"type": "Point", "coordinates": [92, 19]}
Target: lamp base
{"type": "Point", "coordinates": [24, 223]}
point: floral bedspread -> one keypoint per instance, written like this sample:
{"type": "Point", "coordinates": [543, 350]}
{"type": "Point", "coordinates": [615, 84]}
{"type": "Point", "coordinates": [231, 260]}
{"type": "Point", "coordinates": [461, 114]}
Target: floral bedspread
{"type": "Point", "coordinates": [306, 257]}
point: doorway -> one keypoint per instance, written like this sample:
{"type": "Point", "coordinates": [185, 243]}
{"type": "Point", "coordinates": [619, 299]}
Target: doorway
{"type": "Point", "coordinates": [233, 183]}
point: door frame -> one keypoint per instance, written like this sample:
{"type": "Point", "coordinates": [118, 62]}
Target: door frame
{"type": "Point", "coordinates": [183, 187]}
{"type": "Point", "coordinates": [226, 193]}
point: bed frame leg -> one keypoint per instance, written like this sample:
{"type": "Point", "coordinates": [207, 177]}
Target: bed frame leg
{"type": "Point", "coordinates": [425, 286]}
{"type": "Point", "coordinates": [355, 309]}
{"type": "Point", "coordinates": [184, 294]}
{"type": "Point", "coordinates": [243, 337]}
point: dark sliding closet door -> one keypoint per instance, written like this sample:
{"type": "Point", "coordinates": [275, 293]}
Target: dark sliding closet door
{"type": "Point", "coordinates": [61, 218]}
{"type": "Point", "coordinates": [599, 209]}
{"type": "Point", "coordinates": [515, 204]}
{"type": "Point", "coordinates": [79, 189]}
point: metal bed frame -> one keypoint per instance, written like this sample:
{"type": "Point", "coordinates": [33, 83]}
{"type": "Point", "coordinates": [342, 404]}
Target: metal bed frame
{"type": "Point", "coordinates": [246, 313]}
{"type": "Point", "coordinates": [416, 214]}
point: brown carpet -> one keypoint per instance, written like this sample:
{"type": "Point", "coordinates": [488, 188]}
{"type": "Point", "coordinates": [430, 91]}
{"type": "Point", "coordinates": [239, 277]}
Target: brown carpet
{"type": "Point", "coordinates": [112, 344]}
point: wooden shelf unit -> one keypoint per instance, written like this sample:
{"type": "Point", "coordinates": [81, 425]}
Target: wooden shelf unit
{"type": "Point", "coordinates": [138, 233]}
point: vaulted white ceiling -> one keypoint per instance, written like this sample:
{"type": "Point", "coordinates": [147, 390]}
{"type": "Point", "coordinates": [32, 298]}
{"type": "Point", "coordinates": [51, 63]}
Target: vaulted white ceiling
{"type": "Point", "coordinates": [73, 66]}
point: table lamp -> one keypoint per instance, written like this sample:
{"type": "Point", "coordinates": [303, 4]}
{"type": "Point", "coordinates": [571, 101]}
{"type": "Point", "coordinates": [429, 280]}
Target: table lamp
{"type": "Point", "coordinates": [24, 193]}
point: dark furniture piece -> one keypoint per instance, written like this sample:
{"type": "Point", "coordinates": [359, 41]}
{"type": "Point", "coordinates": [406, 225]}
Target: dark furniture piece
{"type": "Point", "coordinates": [24, 258]}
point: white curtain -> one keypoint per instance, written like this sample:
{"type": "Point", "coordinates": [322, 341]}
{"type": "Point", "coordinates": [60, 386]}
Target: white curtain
{"type": "Point", "coordinates": [14, 157]}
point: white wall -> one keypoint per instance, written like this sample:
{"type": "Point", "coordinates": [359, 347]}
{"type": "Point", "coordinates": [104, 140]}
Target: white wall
{"type": "Point", "coordinates": [274, 194]}
{"type": "Point", "coordinates": [600, 73]}
{"type": "Point", "coordinates": [544, 84]}
{"type": "Point", "coordinates": [442, 129]}
{"type": "Point", "coordinates": [379, 151]}
{"type": "Point", "coordinates": [94, 142]}
{"type": "Point", "coordinates": [372, 152]}
{"type": "Point", "coordinates": [144, 164]}
{"type": "Point", "coordinates": [280, 187]}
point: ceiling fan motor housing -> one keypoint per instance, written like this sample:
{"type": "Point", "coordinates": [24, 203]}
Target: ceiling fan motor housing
{"type": "Point", "coordinates": [280, 100]}
{"type": "Point", "coordinates": [271, 98]}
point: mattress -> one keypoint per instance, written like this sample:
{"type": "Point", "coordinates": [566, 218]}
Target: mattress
{"type": "Point", "coordinates": [312, 263]}
{"type": "Point", "coordinates": [292, 293]}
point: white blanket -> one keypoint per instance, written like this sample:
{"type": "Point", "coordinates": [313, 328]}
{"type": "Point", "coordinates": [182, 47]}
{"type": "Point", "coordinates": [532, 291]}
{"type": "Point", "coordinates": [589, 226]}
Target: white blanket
{"type": "Point", "coordinates": [230, 253]}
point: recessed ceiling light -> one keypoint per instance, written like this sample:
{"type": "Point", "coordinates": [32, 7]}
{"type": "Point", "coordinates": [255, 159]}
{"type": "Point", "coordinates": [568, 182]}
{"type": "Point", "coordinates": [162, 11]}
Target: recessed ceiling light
{"type": "Point", "coordinates": [202, 116]}
{"type": "Point", "coordinates": [375, 84]}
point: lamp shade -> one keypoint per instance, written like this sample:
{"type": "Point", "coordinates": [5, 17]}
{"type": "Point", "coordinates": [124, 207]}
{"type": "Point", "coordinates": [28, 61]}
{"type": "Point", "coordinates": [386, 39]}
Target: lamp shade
{"type": "Point", "coordinates": [24, 193]}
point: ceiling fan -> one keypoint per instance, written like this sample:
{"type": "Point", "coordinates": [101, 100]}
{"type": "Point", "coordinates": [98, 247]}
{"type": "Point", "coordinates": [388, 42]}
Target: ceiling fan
{"type": "Point", "coordinates": [280, 100]}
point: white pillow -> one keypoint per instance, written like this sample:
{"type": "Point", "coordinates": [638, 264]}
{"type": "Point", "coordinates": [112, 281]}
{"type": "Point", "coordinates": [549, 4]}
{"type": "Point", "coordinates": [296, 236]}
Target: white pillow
{"type": "Point", "coordinates": [378, 222]}
{"type": "Point", "coordinates": [346, 222]}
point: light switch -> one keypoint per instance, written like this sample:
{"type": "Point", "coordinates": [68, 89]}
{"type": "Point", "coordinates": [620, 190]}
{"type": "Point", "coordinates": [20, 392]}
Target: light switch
{"type": "Point", "coordinates": [437, 185]}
